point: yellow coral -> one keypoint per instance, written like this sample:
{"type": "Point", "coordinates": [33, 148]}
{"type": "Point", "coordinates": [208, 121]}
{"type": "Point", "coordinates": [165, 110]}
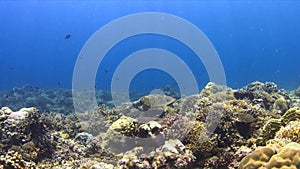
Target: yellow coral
{"type": "Point", "coordinates": [268, 157]}
{"type": "Point", "coordinates": [124, 125]}
{"type": "Point", "coordinates": [115, 137]}
{"type": "Point", "coordinates": [291, 114]}
{"type": "Point", "coordinates": [290, 132]}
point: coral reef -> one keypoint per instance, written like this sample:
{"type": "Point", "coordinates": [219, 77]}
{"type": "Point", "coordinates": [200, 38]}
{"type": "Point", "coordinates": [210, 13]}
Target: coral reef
{"type": "Point", "coordinates": [218, 128]}
{"type": "Point", "coordinates": [47, 100]}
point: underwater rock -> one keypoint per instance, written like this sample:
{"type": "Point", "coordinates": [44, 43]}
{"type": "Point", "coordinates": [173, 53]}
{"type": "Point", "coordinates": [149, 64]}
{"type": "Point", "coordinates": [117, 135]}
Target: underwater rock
{"type": "Point", "coordinates": [217, 162]}
{"type": "Point", "coordinates": [4, 113]}
{"type": "Point", "coordinates": [21, 114]}
{"type": "Point", "coordinates": [125, 125]}
{"type": "Point", "coordinates": [98, 120]}
{"type": "Point", "coordinates": [243, 94]}
{"type": "Point", "coordinates": [269, 87]}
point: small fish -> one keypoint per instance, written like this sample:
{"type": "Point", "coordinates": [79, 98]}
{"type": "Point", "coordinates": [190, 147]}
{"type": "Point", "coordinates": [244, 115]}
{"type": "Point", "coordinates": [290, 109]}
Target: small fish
{"type": "Point", "coordinates": [67, 36]}
{"type": "Point", "coordinates": [59, 83]}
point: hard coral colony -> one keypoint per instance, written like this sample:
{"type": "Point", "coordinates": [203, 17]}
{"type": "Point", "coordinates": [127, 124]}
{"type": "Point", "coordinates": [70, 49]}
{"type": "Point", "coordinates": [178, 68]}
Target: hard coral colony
{"type": "Point", "coordinates": [253, 127]}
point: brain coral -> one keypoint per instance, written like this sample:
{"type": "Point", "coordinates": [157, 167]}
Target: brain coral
{"type": "Point", "coordinates": [269, 157]}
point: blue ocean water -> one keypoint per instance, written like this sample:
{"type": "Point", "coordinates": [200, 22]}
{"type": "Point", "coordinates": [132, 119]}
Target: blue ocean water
{"type": "Point", "coordinates": [255, 40]}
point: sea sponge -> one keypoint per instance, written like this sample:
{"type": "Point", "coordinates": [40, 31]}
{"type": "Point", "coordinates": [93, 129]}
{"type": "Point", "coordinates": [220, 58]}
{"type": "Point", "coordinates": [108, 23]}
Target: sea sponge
{"type": "Point", "coordinates": [287, 157]}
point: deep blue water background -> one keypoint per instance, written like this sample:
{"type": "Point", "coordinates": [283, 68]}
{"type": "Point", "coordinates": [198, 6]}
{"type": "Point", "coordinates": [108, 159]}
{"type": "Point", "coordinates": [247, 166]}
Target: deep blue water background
{"type": "Point", "coordinates": [255, 41]}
